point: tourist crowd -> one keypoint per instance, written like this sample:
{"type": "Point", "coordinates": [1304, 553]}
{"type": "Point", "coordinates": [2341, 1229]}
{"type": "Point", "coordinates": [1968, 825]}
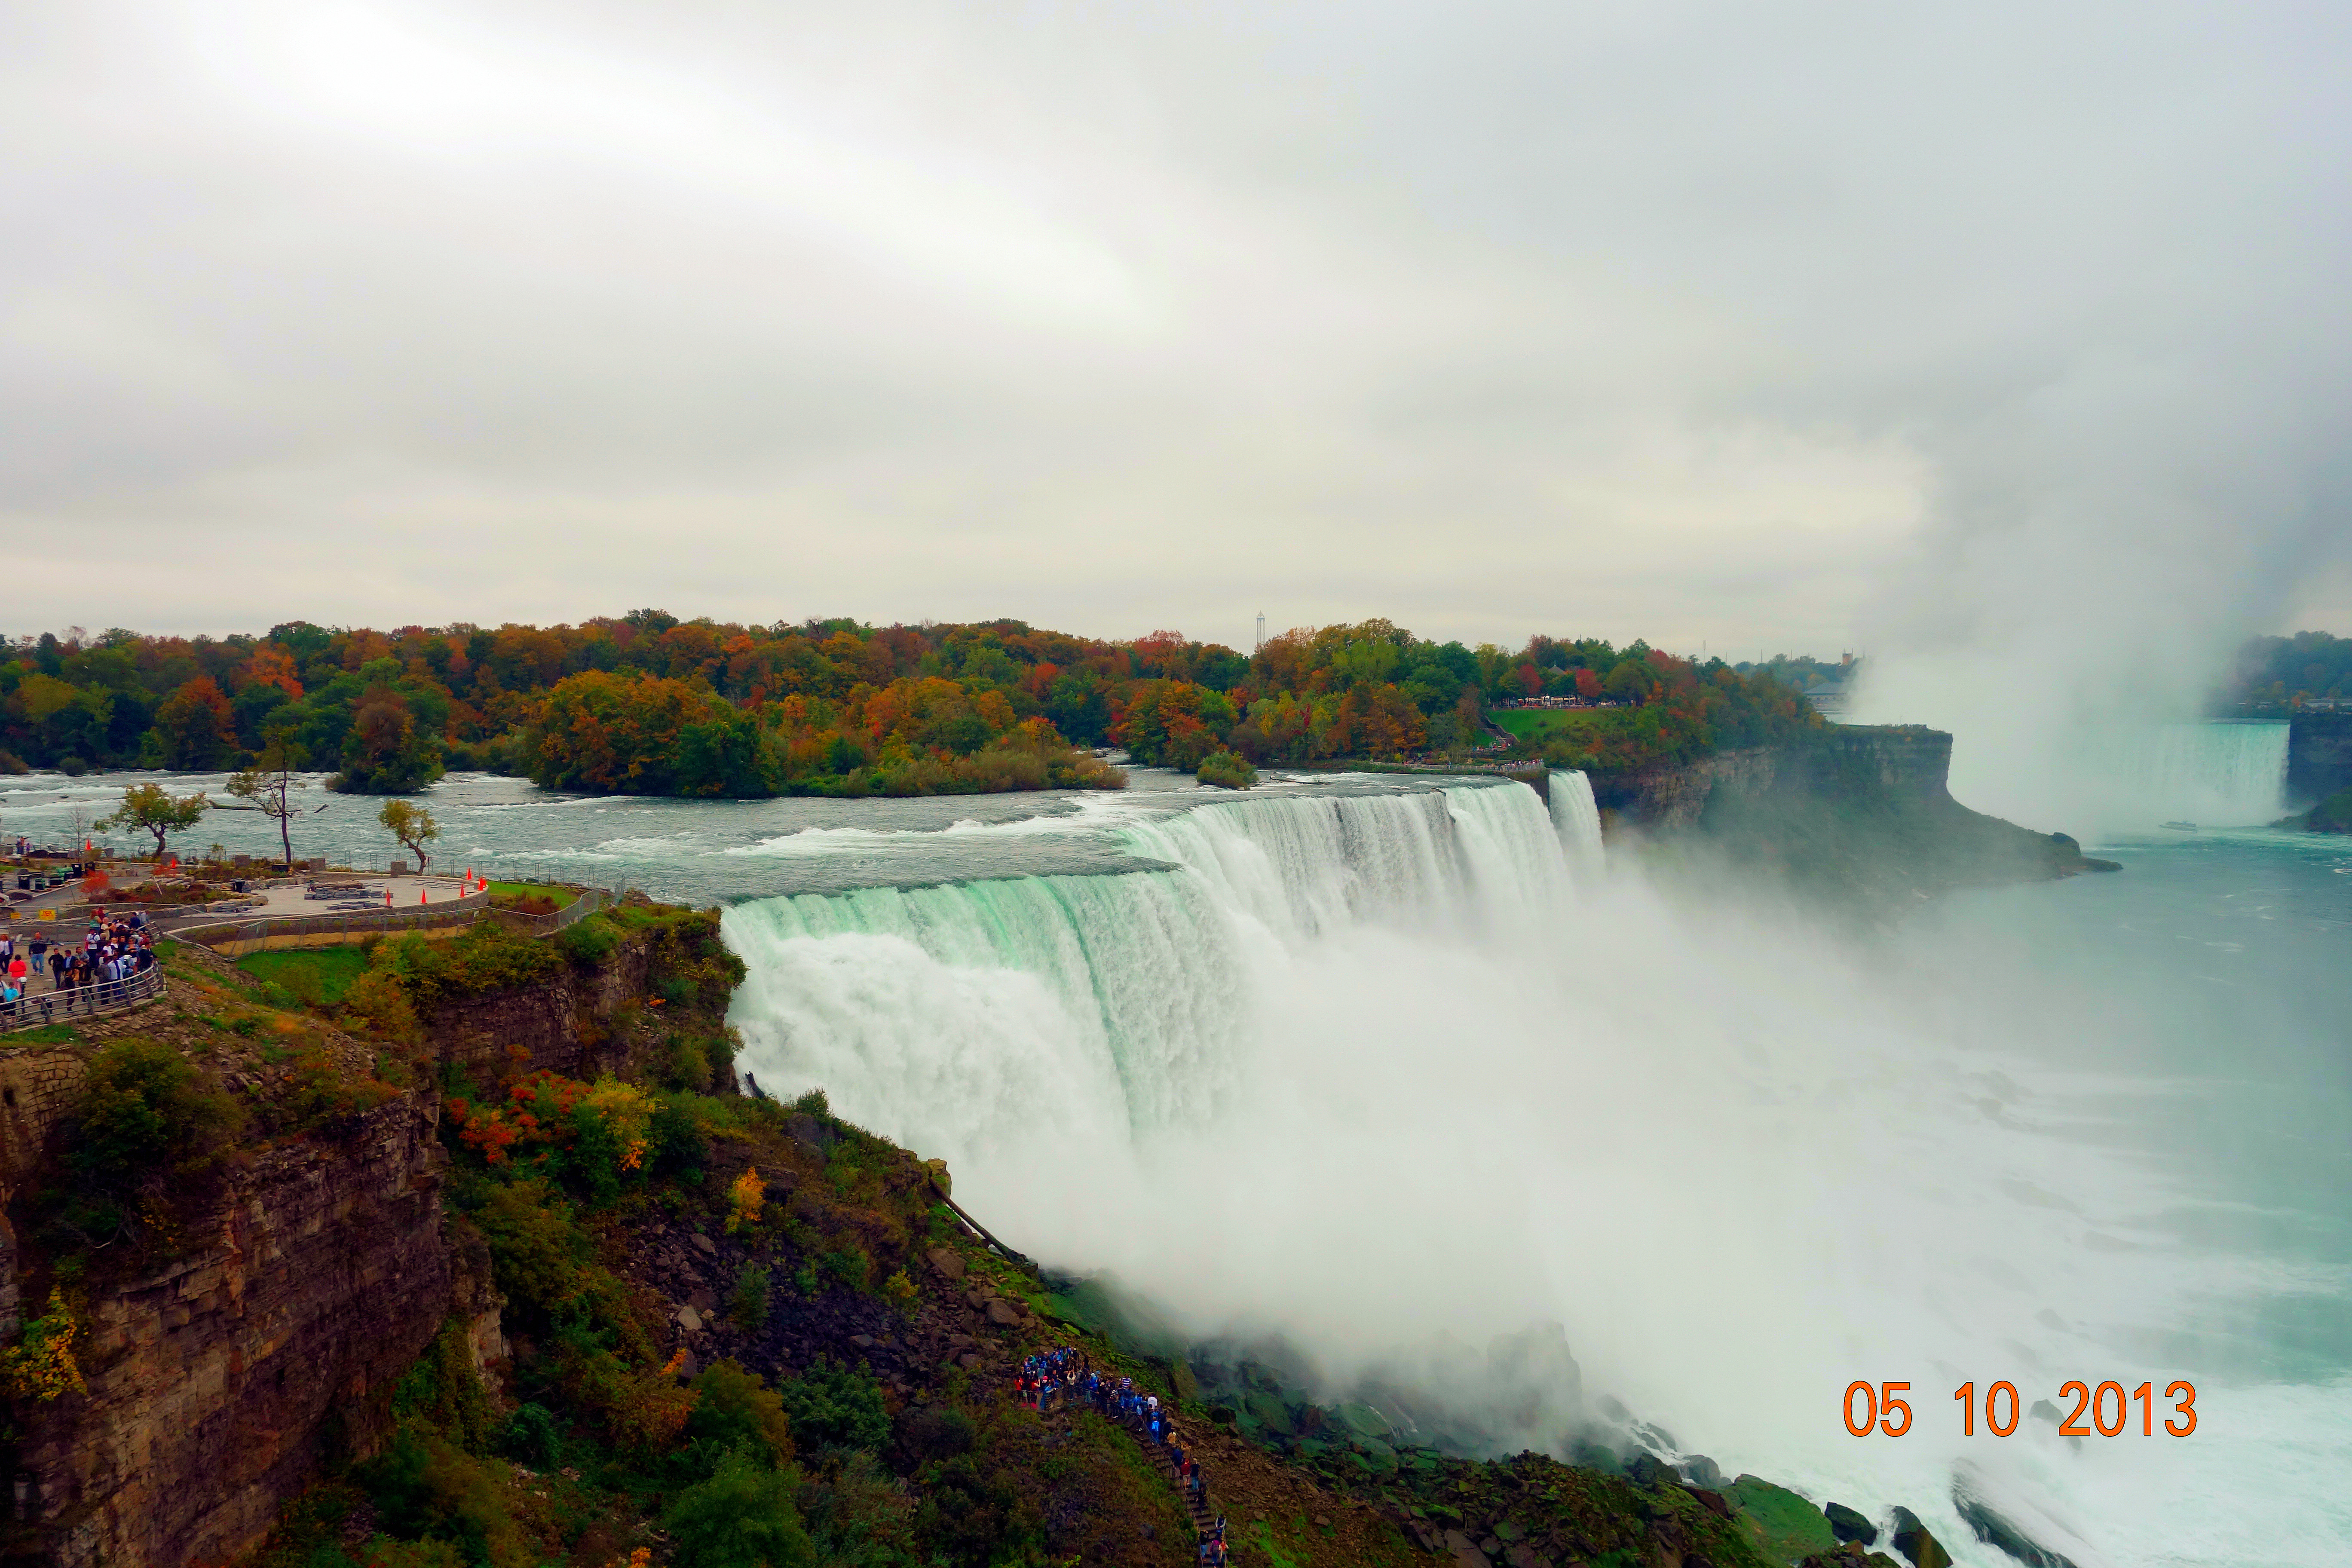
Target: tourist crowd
{"type": "Point", "coordinates": [97, 972]}
{"type": "Point", "coordinates": [1059, 1379]}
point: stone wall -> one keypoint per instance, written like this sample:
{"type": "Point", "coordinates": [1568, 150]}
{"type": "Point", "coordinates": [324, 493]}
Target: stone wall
{"type": "Point", "coordinates": [1906, 759]}
{"type": "Point", "coordinates": [217, 1380]}
{"type": "Point", "coordinates": [2318, 755]}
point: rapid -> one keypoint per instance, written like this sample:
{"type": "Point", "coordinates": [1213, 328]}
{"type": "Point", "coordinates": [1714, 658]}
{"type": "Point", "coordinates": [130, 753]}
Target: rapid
{"type": "Point", "coordinates": [1392, 1069]}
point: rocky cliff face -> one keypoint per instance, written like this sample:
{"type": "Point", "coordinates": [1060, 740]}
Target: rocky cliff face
{"type": "Point", "coordinates": [1906, 761]}
{"type": "Point", "coordinates": [217, 1380]}
{"type": "Point", "coordinates": [2318, 755]}
{"type": "Point", "coordinates": [577, 1024]}
{"type": "Point", "coordinates": [1857, 819]}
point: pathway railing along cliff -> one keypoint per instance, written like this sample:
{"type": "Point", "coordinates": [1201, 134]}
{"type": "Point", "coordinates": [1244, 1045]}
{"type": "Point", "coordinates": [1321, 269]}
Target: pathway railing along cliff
{"type": "Point", "coordinates": [237, 938]}
{"type": "Point", "coordinates": [93, 1000]}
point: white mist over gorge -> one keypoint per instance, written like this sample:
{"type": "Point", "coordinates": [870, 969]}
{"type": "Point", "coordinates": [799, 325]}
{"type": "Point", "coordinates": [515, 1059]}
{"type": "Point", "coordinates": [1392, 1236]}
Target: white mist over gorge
{"type": "Point", "coordinates": [2004, 346]}
{"type": "Point", "coordinates": [1368, 1071]}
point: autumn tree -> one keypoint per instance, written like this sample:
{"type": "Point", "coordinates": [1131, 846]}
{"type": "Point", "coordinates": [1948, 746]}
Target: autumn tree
{"type": "Point", "coordinates": [150, 808]}
{"type": "Point", "coordinates": [196, 725]}
{"type": "Point", "coordinates": [413, 827]}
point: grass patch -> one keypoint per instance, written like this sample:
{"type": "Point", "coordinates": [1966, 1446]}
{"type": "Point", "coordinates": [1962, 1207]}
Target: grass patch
{"type": "Point", "coordinates": [47, 1035]}
{"type": "Point", "coordinates": [1544, 723]}
{"type": "Point", "coordinates": [515, 892]}
{"type": "Point", "coordinates": [316, 977]}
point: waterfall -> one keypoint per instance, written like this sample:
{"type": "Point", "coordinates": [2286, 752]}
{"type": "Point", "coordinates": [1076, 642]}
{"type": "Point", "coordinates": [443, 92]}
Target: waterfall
{"type": "Point", "coordinates": [951, 1018]}
{"type": "Point", "coordinates": [1577, 820]}
{"type": "Point", "coordinates": [2223, 774]}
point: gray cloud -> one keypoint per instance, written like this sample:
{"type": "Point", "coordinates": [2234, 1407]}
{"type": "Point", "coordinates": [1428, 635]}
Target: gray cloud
{"type": "Point", "coordinates": [1953, 332]}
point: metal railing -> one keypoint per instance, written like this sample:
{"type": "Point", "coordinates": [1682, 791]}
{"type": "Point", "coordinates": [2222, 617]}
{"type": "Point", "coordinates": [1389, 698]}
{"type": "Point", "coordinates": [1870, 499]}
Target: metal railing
{"type": "Point", "coordinates": [365, 922]}
{"type": "Point", "coordinates": [97, 998]}
{"type": "Point", "coordinates": [585, 903]}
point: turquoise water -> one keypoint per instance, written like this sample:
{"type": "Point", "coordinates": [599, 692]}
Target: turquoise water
{"type": "Point", "coordinates": [2097, 1128]}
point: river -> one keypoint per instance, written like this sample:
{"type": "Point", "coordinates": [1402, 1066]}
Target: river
{"type": "Point", "coordinates": [1394, 1068]}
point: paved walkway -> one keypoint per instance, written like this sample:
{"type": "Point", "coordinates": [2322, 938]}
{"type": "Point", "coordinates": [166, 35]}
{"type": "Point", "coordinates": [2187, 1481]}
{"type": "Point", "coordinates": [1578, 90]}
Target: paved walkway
{"type": "Point", "coordinates": [407, 893]}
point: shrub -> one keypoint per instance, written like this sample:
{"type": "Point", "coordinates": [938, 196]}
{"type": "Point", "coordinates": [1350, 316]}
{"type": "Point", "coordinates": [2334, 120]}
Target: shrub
{"type": "Point", "coordinates": [40, 1365]}
{"type": "Point", "coordinates": [588, 943]}
{"type": "Point", "coordinates": [530, 1437]}
{"type": "Point", "coordinates": [443, 1393]}
{"type": "Point", "coordinates": [745, 1195]}
{"type": "Point", "coordinates": [377, 1004]}
{"type": "Point", "coordinates": [425, 1485]}
{"type": "Point", "coordinates": [747, 1304]}
{"type": "Point", "coordinates": [835, 1407]}
{"type": "Point", "coordinates": [142, 1109]}
{"type": "Point", "coordinates": [742, 1517]}
{"type": "Point", "coordinates": [1228, 770]}
{"type": "Point", "coordinates": [734, 1407]}
{"type": "Point", "coordinates": [936, 1432]}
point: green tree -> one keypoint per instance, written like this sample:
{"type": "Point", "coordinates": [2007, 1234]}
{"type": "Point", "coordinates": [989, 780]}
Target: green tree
{"type": "Point", "coordinates": [386, 751]}
{"type": "Point", "coordinates": [412, 825]}
{"type": "Point", "coordinates": [742, 1517]}
{"type": "Point", "coordinates": [152, 808]}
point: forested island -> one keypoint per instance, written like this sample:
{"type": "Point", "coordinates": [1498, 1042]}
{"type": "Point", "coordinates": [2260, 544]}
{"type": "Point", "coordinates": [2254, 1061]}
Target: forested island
{"type": "Point", "coordinates": [649, 704]}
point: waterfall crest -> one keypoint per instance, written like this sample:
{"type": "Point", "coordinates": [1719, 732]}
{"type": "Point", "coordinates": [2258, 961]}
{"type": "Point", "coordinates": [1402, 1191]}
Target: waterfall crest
{"type": "Point", "coordinates": [1577, 820]}
{"type": "Point", "coordinates": [950, 1017]}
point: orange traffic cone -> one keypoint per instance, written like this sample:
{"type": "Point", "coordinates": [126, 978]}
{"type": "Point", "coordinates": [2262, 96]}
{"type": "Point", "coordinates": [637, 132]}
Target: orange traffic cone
{"type": "Point", "coordinates": [387, 897]}
{"type": "Point", "coordinates": [420, 896]}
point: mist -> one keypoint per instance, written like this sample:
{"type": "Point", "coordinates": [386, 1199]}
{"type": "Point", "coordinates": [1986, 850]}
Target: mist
{"type": "Point", "coordinates": [1328, 1106]}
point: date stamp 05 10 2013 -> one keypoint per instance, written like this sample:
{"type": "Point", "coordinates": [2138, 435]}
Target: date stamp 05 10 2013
{"type": "Point", "coordinates": [1883, 1410]}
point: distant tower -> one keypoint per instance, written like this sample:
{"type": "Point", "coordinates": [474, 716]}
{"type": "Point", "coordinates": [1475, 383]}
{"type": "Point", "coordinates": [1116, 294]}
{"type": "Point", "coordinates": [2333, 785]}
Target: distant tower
{"type": "Point", "coordinates": [1261, 632]}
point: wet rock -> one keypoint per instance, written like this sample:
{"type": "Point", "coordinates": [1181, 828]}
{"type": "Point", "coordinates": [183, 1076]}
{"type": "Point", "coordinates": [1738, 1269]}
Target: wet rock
{"type": "Point", "coordinates": [810, 1133]}
{"type": "Point", "coordinates": [1649, 1471]}
{"type": "Point", "coordinates": [1848, 1524]}
{"type": "Point", "coordinates": [1913, 1541]}
{"type": "Point", "coordinates": [2002, 1533]}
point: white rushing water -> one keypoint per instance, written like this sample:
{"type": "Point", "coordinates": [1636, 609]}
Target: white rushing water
{"type": "Point", "coordinates": [1387, 1071]}
{"type": "Point", "coordinates": [2128, 778]}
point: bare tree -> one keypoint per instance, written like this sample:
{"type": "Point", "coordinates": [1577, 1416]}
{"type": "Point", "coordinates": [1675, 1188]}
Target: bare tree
{"type": "Point", "coordinates": [270, 784]}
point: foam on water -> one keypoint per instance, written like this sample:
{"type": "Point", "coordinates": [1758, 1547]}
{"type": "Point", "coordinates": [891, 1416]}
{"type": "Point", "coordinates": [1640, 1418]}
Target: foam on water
{"type": "Point", "coordinates": [1369, 1068]}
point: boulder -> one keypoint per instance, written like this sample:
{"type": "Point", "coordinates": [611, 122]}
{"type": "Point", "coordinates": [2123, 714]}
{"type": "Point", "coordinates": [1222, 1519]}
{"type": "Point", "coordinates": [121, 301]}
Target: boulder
{"type": "Point", "coordinates": [1464, 1550]}
{"type": "Point", "coordinates": [1784, 1524]}
{"type": "Point", "coordinates": [1649, 1471]}
{"type": "Point", "coordinates": [704, 1244]}
{"type": "Point", "coordinates": [690, 1320]}
{"type": "Point", "coordinates": [1000, 1314]}
{"type": "Point", "coordinates": [1998, 1531]}
{"type": "Point", "coordinates": [947, 1260]}
{"type": "Point", "coordinates": [1848, 1524]}
{"type": "Point", "coordinates": [1912, 1539]}
{"type": "Point", "coordinates": [1700, 1470]}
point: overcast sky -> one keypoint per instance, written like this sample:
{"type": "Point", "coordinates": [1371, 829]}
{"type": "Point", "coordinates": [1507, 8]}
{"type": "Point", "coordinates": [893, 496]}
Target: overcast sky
{"type": "Point", "coordinates": [1912, 327]}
